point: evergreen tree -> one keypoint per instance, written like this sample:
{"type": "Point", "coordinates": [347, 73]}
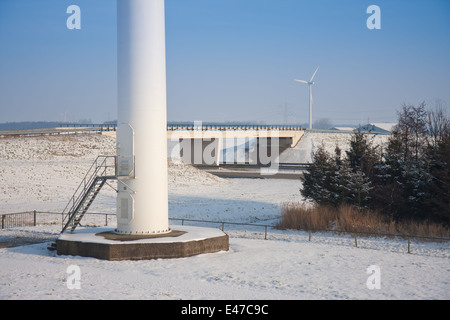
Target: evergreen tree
{"type": "Point", "coordinates": [331, 181]}
{"type": "Point", "coordinates": [318, 178]}
{"type": "Point", "coordinates": [362, 155]}
{"type": "Point", "coordinates": [359, 188]}
{"type": "Point", "coordinates": [439, 200]}
{"type": "Point", "coordinates": [405, 174]}
{"type": "Point", "coordinates": [439, 152]}
{"type": "Point", "coordinates": [411, 180]}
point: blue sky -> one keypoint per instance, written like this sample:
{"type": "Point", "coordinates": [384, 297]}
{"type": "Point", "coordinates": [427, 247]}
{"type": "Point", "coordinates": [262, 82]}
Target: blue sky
{"type": "Point", "coordinates": [231, 60]}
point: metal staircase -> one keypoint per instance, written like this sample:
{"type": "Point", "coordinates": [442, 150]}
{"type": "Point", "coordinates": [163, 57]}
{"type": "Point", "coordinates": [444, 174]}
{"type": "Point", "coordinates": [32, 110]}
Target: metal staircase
{"type": "Point", "coordinates": [103, 169]}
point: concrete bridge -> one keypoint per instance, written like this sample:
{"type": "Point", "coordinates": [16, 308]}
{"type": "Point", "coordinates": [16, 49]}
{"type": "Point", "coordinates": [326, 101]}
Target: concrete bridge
{"type": "Point", "coordinates": [201, 144]}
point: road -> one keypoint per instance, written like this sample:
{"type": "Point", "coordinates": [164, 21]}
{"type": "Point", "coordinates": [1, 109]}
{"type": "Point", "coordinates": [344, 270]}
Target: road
{"type": "Point", "coordinates": [284, 171]}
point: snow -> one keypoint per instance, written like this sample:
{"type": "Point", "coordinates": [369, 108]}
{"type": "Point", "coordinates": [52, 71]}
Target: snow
{"type": "Point", "coordinates": [190, 234]}
{"type": "Point", "coordinates": [387, 126]}
{"type": "Point", "coordinates": [41, 173]}
{"type": "Point", "coordinates": [343, 128]}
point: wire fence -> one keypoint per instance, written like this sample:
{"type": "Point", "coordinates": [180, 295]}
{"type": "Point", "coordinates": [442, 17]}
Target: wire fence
{"type": "Point", "coordinates": [19, 219]}
{"type": "Point", "coordinates": [356, 234]}
{"type": "Point", "coordinates": [35, 218]}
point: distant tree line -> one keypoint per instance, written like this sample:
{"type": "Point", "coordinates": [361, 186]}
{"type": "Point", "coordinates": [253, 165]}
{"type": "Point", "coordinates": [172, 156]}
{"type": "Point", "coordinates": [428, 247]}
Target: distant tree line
{"type": "Point", "coordinates": [408, 179]}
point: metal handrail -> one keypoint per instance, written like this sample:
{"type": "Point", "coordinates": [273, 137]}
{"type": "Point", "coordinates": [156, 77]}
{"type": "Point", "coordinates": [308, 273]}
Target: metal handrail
{"type": "Point", "coordinates": [96, 170]}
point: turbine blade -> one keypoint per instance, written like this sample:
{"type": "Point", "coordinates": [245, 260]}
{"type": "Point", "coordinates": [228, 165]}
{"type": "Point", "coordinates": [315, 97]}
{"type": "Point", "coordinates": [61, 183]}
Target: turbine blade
{"type": "Point", "coordinates": [302, 81]}
{"type": "Point", "coordinates": [314, 74]}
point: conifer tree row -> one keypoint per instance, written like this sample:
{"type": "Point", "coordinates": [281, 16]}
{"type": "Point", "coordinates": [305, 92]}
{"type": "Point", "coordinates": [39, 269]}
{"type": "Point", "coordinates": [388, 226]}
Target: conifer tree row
{"type": "Point", "coordinates": [408, 179]}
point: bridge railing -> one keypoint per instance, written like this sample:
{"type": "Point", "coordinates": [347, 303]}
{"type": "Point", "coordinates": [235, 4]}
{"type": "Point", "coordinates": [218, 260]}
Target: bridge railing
{"type": "Point", "coordinates": [234, 127]}
{"type": "Point", "coordinates": [191, 126]}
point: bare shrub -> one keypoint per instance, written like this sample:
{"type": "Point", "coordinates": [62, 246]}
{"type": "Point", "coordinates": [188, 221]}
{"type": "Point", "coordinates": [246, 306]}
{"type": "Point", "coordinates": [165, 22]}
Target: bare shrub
{"type": "Point", "coordinates": [301, 217]}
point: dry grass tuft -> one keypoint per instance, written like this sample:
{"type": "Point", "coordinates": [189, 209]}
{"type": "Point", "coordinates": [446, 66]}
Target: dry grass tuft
{"type": "Point", "coordinates": [351, 220]}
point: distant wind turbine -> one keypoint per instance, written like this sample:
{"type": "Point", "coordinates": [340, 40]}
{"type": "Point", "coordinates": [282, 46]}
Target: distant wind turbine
{"type": "Point", "coordinates": [309, 83]}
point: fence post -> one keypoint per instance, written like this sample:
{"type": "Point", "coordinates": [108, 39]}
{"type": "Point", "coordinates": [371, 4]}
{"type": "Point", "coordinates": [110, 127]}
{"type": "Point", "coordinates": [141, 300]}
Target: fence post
{"type": "Point", "coordinates": [223, 226]}
{"type": "Point", "coordinates": [310, 235]}
{"type": "Point", "coordinates": [3, 221]}
{"type": "Point", "coordinates": [265, 233]}
{"type": "Point", "coordinates": [356, 240]}
{"type": "Point", "coordinates": [409, 245]}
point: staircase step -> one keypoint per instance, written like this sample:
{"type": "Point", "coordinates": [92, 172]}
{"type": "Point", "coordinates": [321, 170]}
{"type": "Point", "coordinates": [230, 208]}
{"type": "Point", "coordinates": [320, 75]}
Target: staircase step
{"type": "Point", "coordinates": [87, 197]}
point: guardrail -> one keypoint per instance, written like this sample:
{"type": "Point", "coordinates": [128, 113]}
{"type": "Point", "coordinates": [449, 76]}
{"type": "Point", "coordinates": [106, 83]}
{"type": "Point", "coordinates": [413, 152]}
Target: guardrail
{"type": "Point", "coordinates": [69, 128]}
{"type": "Point", "coordinates": [280, 166]}
{"type": "Point", "coordinates": [101, 127]}
{"type": "Point", "coordinates": [225, 127]}
{"type": "Point", "coordinates": [195, 126]}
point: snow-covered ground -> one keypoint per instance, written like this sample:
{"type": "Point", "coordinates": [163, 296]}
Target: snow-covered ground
{"type": "Point", "coordinates": [41, 173]}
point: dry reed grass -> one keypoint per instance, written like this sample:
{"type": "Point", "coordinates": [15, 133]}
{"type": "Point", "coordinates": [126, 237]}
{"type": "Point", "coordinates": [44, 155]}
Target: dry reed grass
{"type": "Point", "coordinates": [349, 219]}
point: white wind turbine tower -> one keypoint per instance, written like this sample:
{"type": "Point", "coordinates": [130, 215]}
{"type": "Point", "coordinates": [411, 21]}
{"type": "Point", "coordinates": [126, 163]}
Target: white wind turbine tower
{"type": "Point", "coordinates": [309, 83]}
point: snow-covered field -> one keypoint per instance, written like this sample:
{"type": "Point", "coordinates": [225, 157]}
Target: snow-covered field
{"type": "Point", "coordinates": [41, 173]}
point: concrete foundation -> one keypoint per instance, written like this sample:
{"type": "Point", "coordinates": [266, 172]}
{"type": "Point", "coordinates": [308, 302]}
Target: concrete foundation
{"type": "Point", "coordinates": [105, 244]}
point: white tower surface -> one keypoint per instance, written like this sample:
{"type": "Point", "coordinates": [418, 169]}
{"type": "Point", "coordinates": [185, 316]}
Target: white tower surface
{"type": "Point", "coordinates": [142, 200]}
